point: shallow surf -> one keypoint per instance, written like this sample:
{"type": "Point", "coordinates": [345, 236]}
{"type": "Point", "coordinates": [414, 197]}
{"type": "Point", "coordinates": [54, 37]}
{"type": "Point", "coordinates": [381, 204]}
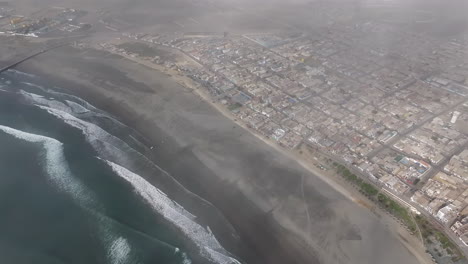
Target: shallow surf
{"type": "Point", "coordinates": [94, 162]}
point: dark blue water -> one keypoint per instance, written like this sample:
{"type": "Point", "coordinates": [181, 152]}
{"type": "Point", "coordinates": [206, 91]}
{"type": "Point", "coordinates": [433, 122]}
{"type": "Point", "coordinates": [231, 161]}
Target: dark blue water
{"type": "Point", "coordinates": [61, 201]}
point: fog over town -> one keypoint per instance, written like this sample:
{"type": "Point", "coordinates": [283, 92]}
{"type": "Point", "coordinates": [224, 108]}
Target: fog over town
{"type": "Point", "coordinates": [257, 131]}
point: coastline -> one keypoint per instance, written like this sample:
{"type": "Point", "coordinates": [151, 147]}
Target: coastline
{"type": "Point", "coordinates": [411, 242]}
{"type": "Point", "coordinates": [262, 236]}
{"type": "Point", "coordinates": [263, 212]}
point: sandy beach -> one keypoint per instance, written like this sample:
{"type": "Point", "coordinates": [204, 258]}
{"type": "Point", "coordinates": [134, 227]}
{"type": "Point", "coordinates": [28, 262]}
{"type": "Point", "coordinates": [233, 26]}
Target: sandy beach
{"type": "Point", "coordinates": [283, 212]}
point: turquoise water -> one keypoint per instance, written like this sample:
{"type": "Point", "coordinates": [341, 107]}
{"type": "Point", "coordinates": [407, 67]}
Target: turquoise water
{"type": "Point", "coordinates": [70, 190]}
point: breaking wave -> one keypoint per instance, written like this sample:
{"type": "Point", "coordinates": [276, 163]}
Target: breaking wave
{"type": "Point", "coordinates": [206, 242]}
{"type": "Point", "coordinates": [119, 251]}
{"type": "Point", "coordinates": [21, 73]}
{"type": "Point", "coordinates": [111, 147]}
{"type": "Point", "coordinates": [56, 165]}
{"type": "Point", "coordinates": [106, 143]}
{"type": "Point", "coordinates": [39, 99]}
{"type": "Point", "coordinates": [117, 154]}
{"type": "Point", "coordinates": [77, 108]}
{"type": "Point", "coordinates": [60, 174]}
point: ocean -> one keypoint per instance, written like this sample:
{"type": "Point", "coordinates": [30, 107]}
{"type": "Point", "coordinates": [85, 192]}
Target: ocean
{"type": "Point", "coordinates": [75, 187]}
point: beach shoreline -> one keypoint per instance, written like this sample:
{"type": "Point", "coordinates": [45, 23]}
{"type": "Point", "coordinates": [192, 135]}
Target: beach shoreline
{"type": "Point", "coordinates": [271, 234]}
{"type": "Point", "coordinates": [411, 242]}
{"type": "Point", "coordinates": [263, 212]}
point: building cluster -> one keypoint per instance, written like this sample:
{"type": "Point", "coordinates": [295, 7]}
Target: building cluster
{"type": "Point", "coordinates": [42, 22]}
{"type": "Point", "coordinates": [396, 112]}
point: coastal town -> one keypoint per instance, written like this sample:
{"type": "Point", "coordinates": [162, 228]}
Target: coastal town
{"type": "Point", "coordinates": [396, 114]}
{"type": "Point", "coordinates": [399, 119]}
{"type": "Point", "coordinates": [54, 22]}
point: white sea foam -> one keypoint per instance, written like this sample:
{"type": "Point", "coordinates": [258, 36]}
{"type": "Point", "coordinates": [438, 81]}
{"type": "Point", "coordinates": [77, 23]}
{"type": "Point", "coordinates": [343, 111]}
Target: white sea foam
{"type": "Point", "coordinates": [33, 85]}
{"type": "Point", "coordinates": [41, 100]}
{"type": "Point", "coordinates": [21, 73]}
{"type": "Point", "coordinates": [65, 113]}
{"type": "Point", "coordinates": [77, 99]}
{"type": "Point", "coordinates": [31, 96]}
{"type": "Point", "coordinates": [106, 144]}
{"type": "Point", "coordinates": [119, 251]}
{"type": "Point", "coordinates": [185, 259]}
{"type": "Point", "coordinates": [84, 106]}
{"type": "Point", "coordinates": [56, 165]}
{"type": "Point", "coordinates": [77, 108]}
{"type": "Point", "coordinates": [73, 107]}
{"type": "Point", "coordinates": [90, 130]}
{"type": "Point", "coordinates": [60, 174]}
{"type": "Point", "coordinates": [207, 244]}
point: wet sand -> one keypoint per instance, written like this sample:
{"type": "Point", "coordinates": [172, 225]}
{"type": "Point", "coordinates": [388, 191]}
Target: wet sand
{"type": "Point", "coordinates": [282, 212]}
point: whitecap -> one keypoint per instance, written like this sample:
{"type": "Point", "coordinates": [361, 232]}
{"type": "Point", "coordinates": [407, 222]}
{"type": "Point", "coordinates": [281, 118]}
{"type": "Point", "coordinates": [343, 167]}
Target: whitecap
{"type": "Point", "coordinates": [206, 242]}
{"type": "Point", "coordinates": [31, 95]}
{"type": "Point", "coordinates": [55, 164]}
{"type": "Point", "coordinates": [33, 85]}
{"type": "Point", "coordinates": [60, 174]}
{"type": "Point", "coordinates": [41, 100]}
{"type": "Point", "coordinates": [119, 251]}
{"type": "Point", "coordinates": [185, 259]}
{"type": "Point", "coordinates": [106, 143]}
{"type": "Point", "coordinates": [77, 108]}
{"type": "Point", "coordinates": [21, 73]}
{"type": "Point", "coordinates": [75, 98]}
{"type": "Point", "coordinates": [218, 257]}
{"type": "Point", "coordinates": [110, 145]}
